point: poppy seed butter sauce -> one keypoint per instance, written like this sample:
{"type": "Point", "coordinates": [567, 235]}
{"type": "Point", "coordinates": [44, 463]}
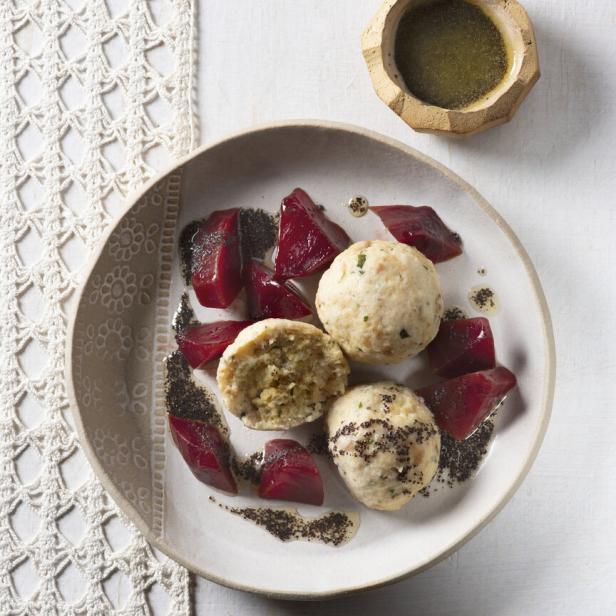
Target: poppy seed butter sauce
{"type": "Point", "coordinates": [450, 53]}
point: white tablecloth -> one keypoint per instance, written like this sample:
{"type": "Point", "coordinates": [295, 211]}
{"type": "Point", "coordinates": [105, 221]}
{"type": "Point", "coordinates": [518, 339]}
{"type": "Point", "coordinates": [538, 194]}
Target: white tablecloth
{"type": "Point", "coordinates": [551, 172]}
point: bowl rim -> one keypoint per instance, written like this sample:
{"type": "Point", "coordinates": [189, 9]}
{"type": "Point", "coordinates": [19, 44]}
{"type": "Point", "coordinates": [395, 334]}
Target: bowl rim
{"type": "Point", "coordinates": [131, 512]}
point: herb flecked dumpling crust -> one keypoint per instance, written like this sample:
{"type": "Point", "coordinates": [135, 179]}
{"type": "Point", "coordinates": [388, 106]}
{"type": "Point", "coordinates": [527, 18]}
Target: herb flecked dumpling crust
{"type": "Point", "coordinates": [385, 443]}
{"type": "Point", "coordinates": [280, 373]}
{"type": "Point", "coordinates": [381, 301]}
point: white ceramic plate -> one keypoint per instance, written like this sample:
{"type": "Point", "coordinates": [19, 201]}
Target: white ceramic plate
{"type": "Point", "coordinates": [120, 333]}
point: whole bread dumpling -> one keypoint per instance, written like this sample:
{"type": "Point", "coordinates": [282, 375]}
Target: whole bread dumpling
{"type": "Point", "coordinates": [279, 374]}
{"type": "Point", "coordinates": [381, 301]}
{"type": "Point", "coordinates": [385, 443]}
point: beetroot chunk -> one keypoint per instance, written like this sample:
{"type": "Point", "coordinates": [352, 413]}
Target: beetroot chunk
{"type": "Point", "coordinates": [289, 473]}
{"type": "Point", "coordinates": [462, 346]}
{"type": "Point", "coordinates": [202, 343]}
{"type": "Point", "coordinates": [422, 228]}
{"type": "Point", "coordinates": [205, 451]}
{"type": "Point", "coordinates": [307, 240]}
{"type": "Point", "coordinates": [461, 404]}
{"type": "Point", "coordinates": [217, 261]}
{"type": "Point", "coordinates": [270, 299]}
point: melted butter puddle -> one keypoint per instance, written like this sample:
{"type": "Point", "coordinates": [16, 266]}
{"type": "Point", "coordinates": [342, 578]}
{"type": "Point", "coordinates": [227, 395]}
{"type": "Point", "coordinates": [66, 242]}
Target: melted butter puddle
{"type": "Point", "coordinates": [484, 299]}
{"type": "Point", "coordinates": [186, 399]}
{"type": "Point", "coordinates": [333, 528]}
{"type": "Point", "coordinates": [358, 206]}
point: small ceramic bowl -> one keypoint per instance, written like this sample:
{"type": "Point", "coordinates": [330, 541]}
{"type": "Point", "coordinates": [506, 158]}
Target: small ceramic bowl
{"type": "Point", "coordinates": [498, 107]}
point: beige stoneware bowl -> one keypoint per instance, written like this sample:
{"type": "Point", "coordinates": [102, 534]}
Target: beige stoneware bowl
{"type": "Point", "coordinates": [498, 107]}
{"type": "Point", "coordinates": [120, 333]}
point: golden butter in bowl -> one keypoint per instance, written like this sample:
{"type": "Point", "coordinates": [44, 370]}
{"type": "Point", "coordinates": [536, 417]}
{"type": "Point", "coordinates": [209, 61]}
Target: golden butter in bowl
{"type": "Point", "coordinates": [451, 66]}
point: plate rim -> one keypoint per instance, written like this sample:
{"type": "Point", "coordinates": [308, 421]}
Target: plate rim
{"type": "Point", "coordinates": [130, 511]}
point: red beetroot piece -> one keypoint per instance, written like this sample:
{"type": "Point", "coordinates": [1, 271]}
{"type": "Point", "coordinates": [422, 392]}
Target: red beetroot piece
{"type": "Point", "coordinates": [462, 346]}
{"type": "Point", "coordinates": [217, 261]}
{"type": "Point", "coordinates": [202, 343]}
{"type": "Point", "coordinates": [205, 451]}
{"type": "Point", "coordinates": [289, 473]}
{"type": "Point", "coordinates": [307, 240]}
{"type": "Point", "coordinates": [270, 299]}
{"type": "Point", "coordinates": [461, 404]}
{"type": "Point", "coordinates": [422, 228]}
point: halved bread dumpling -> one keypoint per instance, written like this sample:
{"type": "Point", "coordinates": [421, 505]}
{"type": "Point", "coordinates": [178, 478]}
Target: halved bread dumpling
{"type": "Point", "coordinates": [279, 374]}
